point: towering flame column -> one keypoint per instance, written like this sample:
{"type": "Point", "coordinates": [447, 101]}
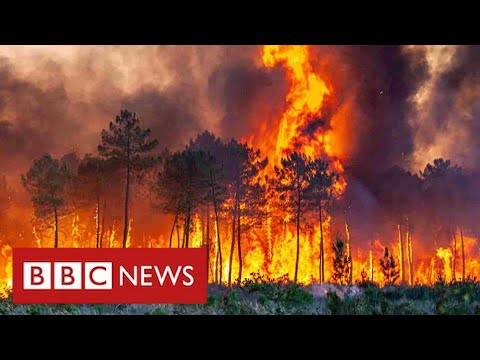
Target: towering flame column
{"type": "Point", "coordinates": [304, 101]}
{"type": "Point", "coordinates": [305, 97]}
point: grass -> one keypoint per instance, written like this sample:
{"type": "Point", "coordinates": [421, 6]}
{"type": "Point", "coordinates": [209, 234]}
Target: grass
{"type": "Point", "coordinates": [261, 296]}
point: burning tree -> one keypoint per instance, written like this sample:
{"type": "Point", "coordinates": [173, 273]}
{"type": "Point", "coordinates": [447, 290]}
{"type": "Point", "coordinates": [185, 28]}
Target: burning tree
{"type": "Point", "coordinates": [181, 187]}
{"type": "Point", "coordinates": [214, 190]}
{"type": "Point", "coordinates": [341, 263]}
{"type": "Point", "coordinates": [400, 193]}
{"type": "Point", "coordinates": [45, 181]}
{"type": "Point", "coordinates": [230, 177]}
{"type": "Point", "coordinates": [293, 182]}
{"type": "Point", "coordinates": [213, 159]}
{"type": "Point", "coordinates": [247, 195]}
{"type": "Point", "coordinates": [169, 192]}
{"type": "Point", "coordinates": [445, 188]}
{"type": "Point", "coordinates": [94, 181]}
{"type": "Point", "coordinates": [389, 268]}
{"type": "Point", "coordinates": [321, 193]}
{"type": "Point", "coordinates": [128, 144]}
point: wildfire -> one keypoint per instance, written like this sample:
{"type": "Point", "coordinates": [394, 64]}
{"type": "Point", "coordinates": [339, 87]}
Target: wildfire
{"type": "Point", "coordinates": [446, 256]}
{"type": "Point", "coordinates": [271, 249]}
{"type": "Point", "coordinates": [304, 99]}
{"type": "Point", "coordinates": [301, 127]}
{"type": "Point", "coordinates": [6, 283]}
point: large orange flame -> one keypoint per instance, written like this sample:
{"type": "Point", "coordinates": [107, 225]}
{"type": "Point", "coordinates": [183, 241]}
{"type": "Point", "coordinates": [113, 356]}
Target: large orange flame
{"type": "Point", "coordinates": [305, 99]}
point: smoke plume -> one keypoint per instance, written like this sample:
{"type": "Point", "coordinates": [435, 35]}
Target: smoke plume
{"type": "Point", "coordinates": [392, 105]}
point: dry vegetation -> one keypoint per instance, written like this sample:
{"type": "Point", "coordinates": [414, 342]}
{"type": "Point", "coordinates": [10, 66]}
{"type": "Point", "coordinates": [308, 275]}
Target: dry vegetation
{"type": "Point", "coordinates": [262, 297]}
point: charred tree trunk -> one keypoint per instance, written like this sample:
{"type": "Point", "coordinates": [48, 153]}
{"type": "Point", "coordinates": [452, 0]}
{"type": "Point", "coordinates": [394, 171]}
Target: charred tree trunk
{"type": "Point", "coordinates": [98, 222]}
{"type": "Point", "coordinates": [216, 266]}
{"type": "Point", "coordinates": [56, 226]}
{"type": "Point", "coordinates": [111, 238]}
{"type": "Point", "coordinates": [127, 194]}
{"type": "Point", "coordinates": [208, 242]}
{"type": "Point", "coordinates": [240, 262]}
{"type": "Point", "coordinates": [232, 249]}
{"type": "Point", "coordinates": [104, 214]}
{"type": "Point", "coordinates": [410, 257]}
{"type": "Point", "coordinates": [454, 259]}
{"type": "Point", "coordinates": [322, 255]}
{"type": "Point", "coordinates": [408, 245]}
{"type": "Point", "coordinates": [407, 252]}
{"type": "Point", "coordinates": [298, 242]}
{"type": "Point", "coordinates": [463, 255]}
{"type": "Point", "coordinates": [173, 229]}
{"type": "Point", "coordinates": [371, 265]}
{"type": "Point", "coordinates": [178, 236]}
{"type": "Point", "coordinates": [184, 233]}
{"type": "Point", "coordinates": [349, 253]}
{"type": "Point", "coordinates": [187, 228]}
{"type": "Point", "coordinates": [218, 231]}
{"type": "Point", "coordinates": [402, 255]}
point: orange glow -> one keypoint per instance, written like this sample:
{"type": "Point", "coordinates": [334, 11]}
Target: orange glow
{"type": "Point", "coordinates": [304, 99]}
{"type": "Point", "coordinates": [6, 283]}
{"type": "Point", "coordinates": [271, 248]}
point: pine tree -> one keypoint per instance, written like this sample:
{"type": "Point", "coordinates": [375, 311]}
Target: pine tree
{"type": "Point", "coordinates": [389, 268]}
{"type": "Point", "coordinates": [129, 144]}
{"type": "Point", "coordinates": [180, 187]}
{"type": "Point", "coordinates": [292, 183]}
{"type": "Point", "coordinates": [93, 182]}
{"type": "Point", "coordinates": [247, 195]}
{"type": "Point", "coordinates": [211, 178]}
{"type": "Point", "coordinates": [45, 181]}
{"type": "Point", "coordinates": [341, 263]}
{"type": "Point", "coordinates": [214, 179]}
{"type": "Point", "coordinates": [321, 194]}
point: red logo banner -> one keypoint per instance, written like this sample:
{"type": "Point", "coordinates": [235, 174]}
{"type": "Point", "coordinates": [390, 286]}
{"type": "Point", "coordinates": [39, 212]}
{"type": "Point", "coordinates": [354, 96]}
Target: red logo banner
{"type": "Point", "coordinates": [109, 276]}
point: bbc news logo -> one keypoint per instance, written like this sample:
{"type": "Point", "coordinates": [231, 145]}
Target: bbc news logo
{"type": "Point", "coordinates": [82, 276]}
{"type": "Point", "coordinates": [67, 275]}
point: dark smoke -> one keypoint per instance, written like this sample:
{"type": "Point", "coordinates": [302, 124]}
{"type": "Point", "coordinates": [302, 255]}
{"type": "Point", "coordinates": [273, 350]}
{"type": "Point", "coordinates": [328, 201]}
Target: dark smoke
{"type": "Point", "coordinates": [247, 95]}
{"type": "Point", "coordinates": [457, 105]}
{"type": "Point", "coordinates": [380, 79]}
{"type": "Point", "coordinates": [31, 119]}
{"type": "Point", "coordinates": [52, 111]}
{"type": "Point", "coordinates": [58, 103]}
{"type": "Point", "coordinates": [170, 116]}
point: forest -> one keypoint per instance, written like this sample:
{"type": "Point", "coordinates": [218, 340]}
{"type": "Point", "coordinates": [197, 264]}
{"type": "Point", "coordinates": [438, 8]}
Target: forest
{"type": "Point", "coordinates": [289, 222]}
{"type": "Point", "coordinates": [321, 179]}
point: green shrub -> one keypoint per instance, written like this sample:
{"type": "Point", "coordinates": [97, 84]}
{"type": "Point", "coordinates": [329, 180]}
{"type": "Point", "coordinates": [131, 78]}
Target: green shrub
{"type": "Point", "coordinates": [334, 303]}
{"type": "Point", "coordinates": [419, 292]}
{"type": "Point", "coordinates": [372, 302]}
{"type": "Point", "coordinates": [64, 308]}
{"type": "Point", "coordinates": [295, 295]}
{"type": "Point", "coordinates": [212, 300]}
{"type": "Point", "coordinates": [161, 310]}
{"type": "Point", "coordinates": [101, 308]}
{"type": "Point", "coordinates": [280, 291]}
{"type": "Point", "coordinates": [34, 309]}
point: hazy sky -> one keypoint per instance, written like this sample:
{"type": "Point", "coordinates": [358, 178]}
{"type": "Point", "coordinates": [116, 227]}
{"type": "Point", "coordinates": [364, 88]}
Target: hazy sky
{"type": "Point", "coordinates": [403, 105]}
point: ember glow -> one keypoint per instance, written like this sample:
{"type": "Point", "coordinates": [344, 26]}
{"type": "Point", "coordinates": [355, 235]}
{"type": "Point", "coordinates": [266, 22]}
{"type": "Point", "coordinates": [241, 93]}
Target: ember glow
{"type": "Point", "coordinates": [366, 111]}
